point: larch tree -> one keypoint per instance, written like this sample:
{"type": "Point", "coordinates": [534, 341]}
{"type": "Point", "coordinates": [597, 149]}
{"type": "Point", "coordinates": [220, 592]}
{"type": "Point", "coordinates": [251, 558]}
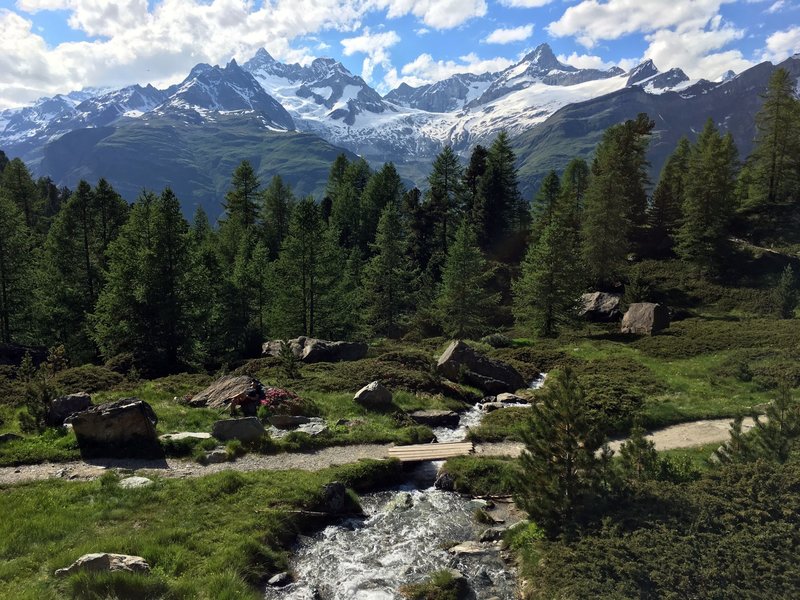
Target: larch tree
{"type": "Point", "coordinates": [276, 214]}
{"type": "Point", "coordinates": [664, 213]}
{"type": "Point", "coordinates": [16, 271]}
{"type": "Point", "coordinates": [464, 303]}
{"type": "Point", "coordinates": [545, 205]}
{"type": "Point", "coordinates": [709, 200]}
{"type": "Point", "coordinates": [446, 195]}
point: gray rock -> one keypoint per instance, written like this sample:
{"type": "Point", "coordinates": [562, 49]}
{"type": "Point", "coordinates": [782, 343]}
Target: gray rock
{"type": "Point", "coordinates": [130, 483]}
{"type": "Point", "coordinates": [491, 535]}
{"type": "Point", "coordinates": [601, 307]}
{"type": "Point", "coordinates": [105, 563]}
{"type": "Point", "coordinates": [493, 406]}
{"type": "Point", "coordinates": [314, 427]}
{"type": "Point", "coordinates": [288, 421]}
{"type": "Point", "coordinates": [66, 406]}
{"type": "Point", "coordinates": [334, 497]}
{"type": "Point", "coordinates": [245, 429]}
{"type": "Point", "coordinates": [280, 580]}
{"type": "Point", "coordinates": [445, 482]}
{"type": "Point", "coordinates": [403, 501]}
{"type": "Point", "coordinates": [491, 376]}
{"type": "Point", "coordinates": [645, 318]}
{"type": "Point", "coordinates": [229, 392]}
{"type": "Point", "coordinates": [374, 396]}
{"type": "Point", "coordinates": [9, 437]}
{"type": "Point", "coordinates": [185, 435]}
{"type": "Point", "coordinates": [469, 548]}
{"type": "Point", "coordinates": [436, 418]}
{"type": "Point", "coordinates": [507, 398]}
{"type": "Point", "coordinates": [216, 457]}
{"type": "Point", "coordinates": [312, 350]}
{"type": "Point", "coordinates": [125, 428]}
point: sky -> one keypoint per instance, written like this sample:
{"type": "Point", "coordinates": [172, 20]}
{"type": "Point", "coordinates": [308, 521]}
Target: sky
{"type": "Point", "coordinates": [56, 46]}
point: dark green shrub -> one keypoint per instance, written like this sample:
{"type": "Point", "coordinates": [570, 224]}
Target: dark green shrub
{"type": "Point", "coordinates": [497, 340]}
{"type": "Point", "coordinates": [88, 378]}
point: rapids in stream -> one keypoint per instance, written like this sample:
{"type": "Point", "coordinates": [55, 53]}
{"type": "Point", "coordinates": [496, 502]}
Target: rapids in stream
{"type": "Point", "coordinates": [402, 539]}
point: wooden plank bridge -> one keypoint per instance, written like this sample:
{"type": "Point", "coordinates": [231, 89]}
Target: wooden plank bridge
{"type": "Point", "coordinates": [426, 452]}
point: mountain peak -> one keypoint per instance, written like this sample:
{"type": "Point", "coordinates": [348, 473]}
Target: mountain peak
{"type": "Point", "coordinates": [542, 56]}
{"type": "Point", "coordinates": [641, 72]}
{"type": "Point", "coordinates": [727, 76]}
{"type": "Point", "coordinates": [263, 55]}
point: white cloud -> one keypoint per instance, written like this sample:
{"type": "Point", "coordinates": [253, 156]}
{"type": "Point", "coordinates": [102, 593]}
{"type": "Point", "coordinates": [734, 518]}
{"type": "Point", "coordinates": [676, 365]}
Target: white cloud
{"type": "Point", "coordinates": [375, 46]}
{"type": "Point", "coordinates": [697, 52]}
{"type": "Point", "coordinates": [424, 69]}
{"type": "Point", "coordinates": [525, 3]}
{"type": "Point", "coordinates": [585, 61]}
{"type": "Point", "coordinates": [507, 36]}
{"type": "Point", "coordinates": [782, 44]}
{"type": "Point", "coordinates": [591, 21]}
{"type": "Point", "coordinates": [777, 6]}
{"type": "Point", "coordinates": [439, 14]}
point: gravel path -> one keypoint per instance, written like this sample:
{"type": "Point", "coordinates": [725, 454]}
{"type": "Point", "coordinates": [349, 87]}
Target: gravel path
{"type": "Point", "coordinates": [685, 435]}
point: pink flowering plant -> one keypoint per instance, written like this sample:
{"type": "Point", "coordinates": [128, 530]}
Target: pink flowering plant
{"type": "Point", "coordinates": [279, 401]}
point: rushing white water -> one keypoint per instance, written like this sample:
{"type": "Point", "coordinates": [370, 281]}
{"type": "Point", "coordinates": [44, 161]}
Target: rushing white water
{"type": "Point", "coordinates": [399, 542]}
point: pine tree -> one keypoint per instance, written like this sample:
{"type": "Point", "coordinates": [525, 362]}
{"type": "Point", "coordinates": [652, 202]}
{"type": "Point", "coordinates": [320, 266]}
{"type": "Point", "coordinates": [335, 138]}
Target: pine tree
{"type": "Point", "coordinates": [638, 458]}
{"type": "Point", "coordinates": [709, 200]}
{"type": "Point", "coordinates": [472, 177]}
{"type": "Point", "coordinates": [146, 307]}
{"type": "Point", "coordinates": [545, 205]}
{"type": "Point", "coordinates": [386, 278]}
{"type": "Point", "coordinates": [615, 200]}
{"type": "Point", "coordinates": [345, 209]}
{"type": "Point", "coordinates": [21, 190]}
{"type": "Point", "coordinates": [776, 156]}
{"type": "Point", "coordinates": [500, 213]}
{"type": "Point", "coordinates": [664, 214]}
{"type": "Point", "coordinates": [785, 296]}
{"type": "Point", "coordinates": [464, 303]}
{"type": "Point", "coordinates": [574, 182]}
{"type": "Point", "coordinates": [446, 195]}
{"type": "Point", "coordinates": [383, 188]}
{"type": "Point", "coordinates": [776, 436]}
{"type": "Point", "coordinates": [546, 294]}
{"type": "Point", "coordinates": [561, 472]}
{"type": "Point", "coordinates": [276, 214]}
{"type": "Point", "coordinates": [244, 198]}
{"type": "Point", "coordinates": [16, 271]}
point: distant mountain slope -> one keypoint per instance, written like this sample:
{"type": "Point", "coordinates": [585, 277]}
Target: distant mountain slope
{"type": "Point", "coordinates": [196, 161]}
{"type": "Point", "coordinates": [575, 130]}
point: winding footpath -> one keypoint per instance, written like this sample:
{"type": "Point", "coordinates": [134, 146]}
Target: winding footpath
{"type": "Point", "coordinates": [684, 435]}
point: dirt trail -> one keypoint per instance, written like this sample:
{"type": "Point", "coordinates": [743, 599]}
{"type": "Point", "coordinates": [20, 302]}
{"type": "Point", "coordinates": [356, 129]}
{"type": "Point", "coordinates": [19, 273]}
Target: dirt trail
{"type": "Point", "coordinates": [685, 435]}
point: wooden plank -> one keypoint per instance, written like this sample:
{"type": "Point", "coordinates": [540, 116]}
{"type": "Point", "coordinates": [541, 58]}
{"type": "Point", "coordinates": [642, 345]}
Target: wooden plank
{"type": "Point", "coordinates": [426, 452]}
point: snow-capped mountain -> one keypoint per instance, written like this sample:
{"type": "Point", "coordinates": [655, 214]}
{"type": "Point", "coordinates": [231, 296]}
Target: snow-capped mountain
{"type": "Point", "coordinates": [647, 76]}
{"type": "Point", "coordinates": [448, 95]}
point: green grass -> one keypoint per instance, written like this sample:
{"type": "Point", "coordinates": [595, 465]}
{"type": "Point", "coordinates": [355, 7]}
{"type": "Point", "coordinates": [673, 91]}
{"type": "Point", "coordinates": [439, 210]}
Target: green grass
{"type": "Point", "coordinates": [213, 537]}
{"type": "Point", "coordinates": [440, 586]}
{"type": "Point", "coordinates": [482, 476]}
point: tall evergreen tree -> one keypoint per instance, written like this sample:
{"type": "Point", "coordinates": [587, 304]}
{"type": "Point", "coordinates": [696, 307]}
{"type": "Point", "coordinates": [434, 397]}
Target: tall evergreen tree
{"type": "Point", "coordinates": [561, 476]}
{"type": "Point", "coordinates": [472, 177]}
{"type": "Point", "coordinates": [21, 190]}
{"type": "Point", "coordinates": [15, 272]}
{"type": "Point", "coordinates": [386, 278]}
{"type": "Point", "coordinates": [709, 200]}
{"type": "Point", "coordinates": [574, 182]}
{"type": "Point", "coordinates": [244, 198]}
{"type": "Point", "coordinates": [545, 205]}
{"type": "Point", "coordinates": [546, 294]}
{"type": "Point", "coordinates": [664, 214]}
{"type": "Point", "coordinates": [146, 307]}
{"type": "Point", "coordinates": [499, 212]}
{"type": "Point", "coordinates": [446, 195]}
{"type": "Point", "coordinates": [615, 200]}
{"type": "Point", "coordinates": [276, 214]}
{"type": "Point", "coordinates": [464, 303]}
{"type": "Point", "coordinates": [346, 207]}
{"type": "Point", "coordinates": [785, 295]}
{"type": "Point", "coordinates": [383, 188]}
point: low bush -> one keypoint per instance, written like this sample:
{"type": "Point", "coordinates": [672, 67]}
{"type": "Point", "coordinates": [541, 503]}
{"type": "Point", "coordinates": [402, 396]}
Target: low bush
{"type": "Point", "coordinates": [87, 378]}
{"type": "Point", "coordinates": [442, 585]}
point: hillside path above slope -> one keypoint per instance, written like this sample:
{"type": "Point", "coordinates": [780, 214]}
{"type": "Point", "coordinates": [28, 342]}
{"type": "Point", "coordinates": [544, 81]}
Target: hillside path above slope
{"type": "Point", "coordinates": [684, 435]}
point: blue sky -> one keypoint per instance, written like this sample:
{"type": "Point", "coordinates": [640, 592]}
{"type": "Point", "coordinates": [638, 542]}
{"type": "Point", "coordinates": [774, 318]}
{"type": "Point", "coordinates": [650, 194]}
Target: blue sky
{"type": "Point", "coordinates": [53, 46]}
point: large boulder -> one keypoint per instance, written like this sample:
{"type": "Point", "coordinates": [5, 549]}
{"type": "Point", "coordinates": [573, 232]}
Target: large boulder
{"type": "Point", "coordinates": [246, 429]}
{"type": "Point", "coordinates": [601, 307]}
{"type": "Point", "coordinates": [231, 391]}
{"type": "Point", "coordinates": [104, 562]}
{"type": "Point", "coordinates": [124, 428]}
{"type": "Point", "coordinates": [491, 376]}
{"type": "Point", "coordinates": [334, 497]}
{"type": "Point", "coordinates": [66, 406]}
{"type": "Point", "coordinates": [645, 318]}
{"type": "Point", "coordinates": [435, 418]}
{"type": "Point", "coordinates": [313, 350]}
{"type": "Point", "coordinates": [374, 396]}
